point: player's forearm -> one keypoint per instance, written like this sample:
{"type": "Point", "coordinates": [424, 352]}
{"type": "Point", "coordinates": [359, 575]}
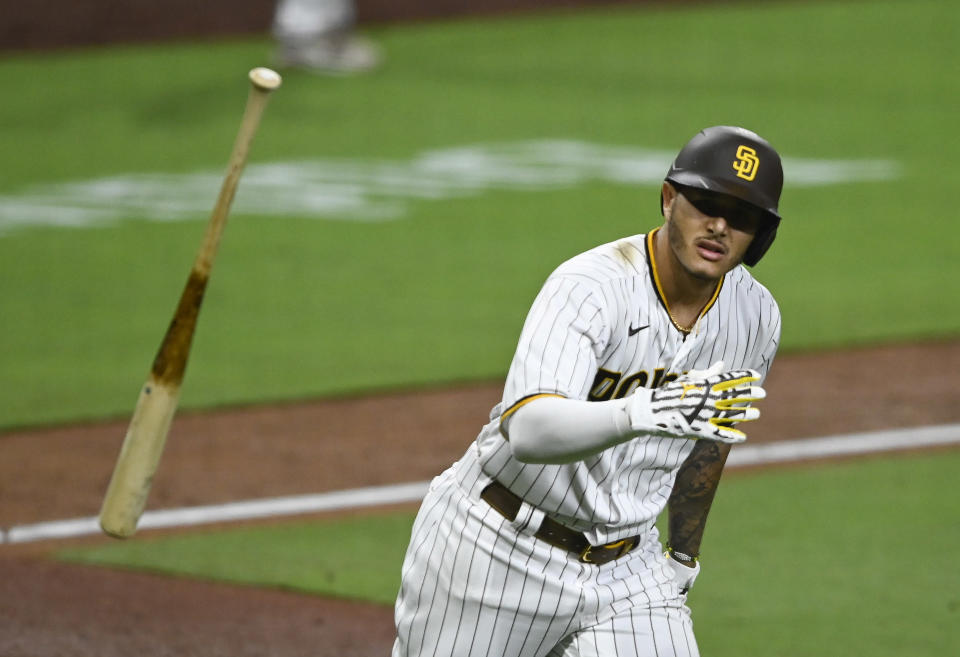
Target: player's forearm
{"type": "Point", "coordinates": [560, 430]}
{"type": "Point", "coordinates": [693, 494]}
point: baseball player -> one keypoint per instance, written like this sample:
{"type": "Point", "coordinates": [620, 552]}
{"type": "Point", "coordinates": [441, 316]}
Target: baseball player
{"type": "Point", "coordinates": [636, 366]}
{"type": "Point", "coordinates": [320, 36]}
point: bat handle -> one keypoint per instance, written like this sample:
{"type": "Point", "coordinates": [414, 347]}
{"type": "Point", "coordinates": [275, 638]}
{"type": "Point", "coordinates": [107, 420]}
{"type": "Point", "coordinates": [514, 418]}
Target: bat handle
{"type": "Point", "coordinates": [262, 82]}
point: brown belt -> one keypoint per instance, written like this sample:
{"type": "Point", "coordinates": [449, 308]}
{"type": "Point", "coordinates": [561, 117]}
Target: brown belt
{"type": "Point", "coordinates": [508, 505]}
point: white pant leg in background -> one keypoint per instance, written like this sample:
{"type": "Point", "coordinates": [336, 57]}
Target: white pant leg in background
{"type": "Point", "coordinates": [306, 20]}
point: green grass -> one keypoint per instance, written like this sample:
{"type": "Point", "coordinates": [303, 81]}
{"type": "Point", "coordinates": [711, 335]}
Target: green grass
{"type": "Point", "coordinates": [841, 559]}
{"type": "Point", "coordinates": [355, 557]}
{"type": "Point", "coordinates": [301, 308]}
{"type": "Point", "coordinates": [833, 559]}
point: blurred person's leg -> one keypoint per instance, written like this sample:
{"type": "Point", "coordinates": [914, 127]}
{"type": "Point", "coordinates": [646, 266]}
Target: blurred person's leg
{"type": "Point", "coordinates": [319, 35]}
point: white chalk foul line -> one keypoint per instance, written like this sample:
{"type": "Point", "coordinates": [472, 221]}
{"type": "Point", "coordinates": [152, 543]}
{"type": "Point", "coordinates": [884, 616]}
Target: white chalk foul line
{"type": "Point", "coordinates": [745, 455]}
{"type": "Point", "coordinates": [844, 445]}
{"type": "Point", "coordinates": [245, 510]}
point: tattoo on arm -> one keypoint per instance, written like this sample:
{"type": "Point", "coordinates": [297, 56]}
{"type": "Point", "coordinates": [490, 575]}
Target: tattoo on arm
{"type": "Point", "coordinates": [692, 495]}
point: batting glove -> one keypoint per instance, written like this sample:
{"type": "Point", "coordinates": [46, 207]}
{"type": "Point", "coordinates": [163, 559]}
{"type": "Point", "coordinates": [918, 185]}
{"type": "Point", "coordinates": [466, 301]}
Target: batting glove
{"type": "Point", "coordinates": [683, 575]}
{"type": "Point", "coordinates": [700, 404]}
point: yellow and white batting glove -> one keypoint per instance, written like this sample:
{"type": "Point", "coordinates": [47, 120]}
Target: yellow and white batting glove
{"type": "Point", "coordinates": [701, 404]}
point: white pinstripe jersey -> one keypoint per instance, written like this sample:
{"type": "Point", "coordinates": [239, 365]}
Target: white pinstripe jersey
{"type": "Point", "coordinates": [598, 329]}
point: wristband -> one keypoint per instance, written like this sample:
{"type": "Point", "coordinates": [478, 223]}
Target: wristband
{"type": "Point", "coordinates": [681, 557]}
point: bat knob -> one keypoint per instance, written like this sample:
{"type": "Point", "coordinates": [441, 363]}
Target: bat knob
{"type": "Point", "coordinates": [265, 78]}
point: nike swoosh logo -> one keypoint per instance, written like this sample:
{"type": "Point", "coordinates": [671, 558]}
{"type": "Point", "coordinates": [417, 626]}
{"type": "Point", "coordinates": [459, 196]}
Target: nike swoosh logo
{"type": "Point", "coordinates": [633, 331]}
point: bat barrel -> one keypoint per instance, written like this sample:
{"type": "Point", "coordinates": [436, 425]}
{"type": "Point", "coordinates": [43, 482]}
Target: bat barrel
{"type": "Point", "coordinates": [139, 457]}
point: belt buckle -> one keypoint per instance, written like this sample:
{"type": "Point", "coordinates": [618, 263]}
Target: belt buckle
{"type": "Point", "coordinates": [624, 545]}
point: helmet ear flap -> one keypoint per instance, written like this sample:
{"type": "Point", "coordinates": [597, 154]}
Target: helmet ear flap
{"type": "Point", "coordinates": [761, 242]}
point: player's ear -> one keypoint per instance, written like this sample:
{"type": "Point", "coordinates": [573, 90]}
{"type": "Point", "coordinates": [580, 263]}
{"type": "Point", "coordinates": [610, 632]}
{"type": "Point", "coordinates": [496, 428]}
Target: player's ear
{"type": "Point", "coordinates": [668, 194]}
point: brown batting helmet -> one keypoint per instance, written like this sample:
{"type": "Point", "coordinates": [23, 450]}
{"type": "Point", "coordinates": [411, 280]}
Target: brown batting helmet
{"type": "Point", "coordinates": [739, 163]}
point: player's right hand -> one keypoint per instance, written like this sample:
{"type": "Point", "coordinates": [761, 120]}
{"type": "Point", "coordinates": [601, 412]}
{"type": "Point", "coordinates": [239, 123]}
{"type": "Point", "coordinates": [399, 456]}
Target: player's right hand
{"type": "Point", "coordinates": [703, 404]}
{"type": "Point", "coordinates": [683, 575]}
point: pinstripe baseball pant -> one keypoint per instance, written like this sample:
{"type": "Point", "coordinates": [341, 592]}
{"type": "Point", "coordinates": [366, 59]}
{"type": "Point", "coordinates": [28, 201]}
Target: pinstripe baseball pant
{"type": "Point", "coordinates": [477, 585]}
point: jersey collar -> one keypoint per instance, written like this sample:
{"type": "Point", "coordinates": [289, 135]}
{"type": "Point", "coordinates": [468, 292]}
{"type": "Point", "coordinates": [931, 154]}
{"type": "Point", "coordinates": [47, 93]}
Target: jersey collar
{"type": "Point", "coordinates": [655, 277]}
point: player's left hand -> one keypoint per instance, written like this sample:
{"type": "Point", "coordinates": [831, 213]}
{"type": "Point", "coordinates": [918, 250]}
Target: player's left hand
{"type": "Point", "coordinates": [700, 404]}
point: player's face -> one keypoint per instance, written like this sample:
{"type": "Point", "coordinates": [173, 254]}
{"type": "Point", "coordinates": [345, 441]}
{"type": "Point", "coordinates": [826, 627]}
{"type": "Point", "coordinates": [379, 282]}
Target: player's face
{"type": "Point", "coordinates": [709, 233]}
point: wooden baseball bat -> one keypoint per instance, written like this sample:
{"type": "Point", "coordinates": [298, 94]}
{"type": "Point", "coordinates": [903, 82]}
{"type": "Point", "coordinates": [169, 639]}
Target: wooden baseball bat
{"type": "Point", "coordinates": [146, 436]}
